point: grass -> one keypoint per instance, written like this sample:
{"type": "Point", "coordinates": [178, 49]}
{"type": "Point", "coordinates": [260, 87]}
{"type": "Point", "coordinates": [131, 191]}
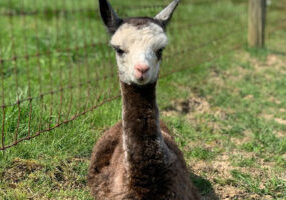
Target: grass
{"type": "Point", "coordinates": [227, 115]}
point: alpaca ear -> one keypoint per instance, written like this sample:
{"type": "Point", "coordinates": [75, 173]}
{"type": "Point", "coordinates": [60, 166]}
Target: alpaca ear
{"type": "Point", "coordinates": [109, 17]}
{"type": "Point", "coordinates": [165, 15]}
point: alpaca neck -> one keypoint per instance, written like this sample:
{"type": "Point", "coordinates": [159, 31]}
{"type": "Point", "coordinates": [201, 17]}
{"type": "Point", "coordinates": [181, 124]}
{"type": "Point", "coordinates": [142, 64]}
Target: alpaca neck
{"type": "Point", "coordinates": [142, 138]}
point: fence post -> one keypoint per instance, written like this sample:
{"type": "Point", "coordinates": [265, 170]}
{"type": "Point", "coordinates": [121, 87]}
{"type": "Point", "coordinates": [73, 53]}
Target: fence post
{"type": "Point", "coordinates": [256, 23]}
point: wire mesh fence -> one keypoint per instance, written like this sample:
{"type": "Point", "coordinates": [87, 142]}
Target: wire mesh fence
{"type": "Point", "coordinates": [55, 64]}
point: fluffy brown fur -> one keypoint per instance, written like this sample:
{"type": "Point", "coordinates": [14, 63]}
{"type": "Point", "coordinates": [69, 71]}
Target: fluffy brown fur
{"type": "Point", "coordinates": [137, 159]}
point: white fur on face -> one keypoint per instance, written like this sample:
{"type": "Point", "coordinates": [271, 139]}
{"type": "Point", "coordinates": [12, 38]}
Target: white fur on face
{"type": "Point", "coordinates": [140, 46]}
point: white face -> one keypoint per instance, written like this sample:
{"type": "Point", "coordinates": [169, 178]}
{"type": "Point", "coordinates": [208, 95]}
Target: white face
{"type": "Point", "coordinates": [139, 51]}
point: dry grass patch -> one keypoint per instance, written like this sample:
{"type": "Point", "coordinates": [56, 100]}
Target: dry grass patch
{"type": "Point", "coordinates": [234, 172]}
{"type": "Point", "coordinates": [22, 175]}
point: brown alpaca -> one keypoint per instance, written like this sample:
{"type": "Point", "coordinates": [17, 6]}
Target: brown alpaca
{"type": "Point", "coordinates": [137, 159]}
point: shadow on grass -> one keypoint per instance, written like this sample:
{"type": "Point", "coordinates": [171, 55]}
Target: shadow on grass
{"type": "Point", "coordinates": [277, 52]}
{"type": "Point", "coordinates": [204, 186]}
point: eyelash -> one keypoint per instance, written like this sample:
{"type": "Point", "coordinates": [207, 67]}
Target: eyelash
{"type": "Point", "coordinates": [119, 51]}
{"type": "Point", "coordinates": [159, 53]}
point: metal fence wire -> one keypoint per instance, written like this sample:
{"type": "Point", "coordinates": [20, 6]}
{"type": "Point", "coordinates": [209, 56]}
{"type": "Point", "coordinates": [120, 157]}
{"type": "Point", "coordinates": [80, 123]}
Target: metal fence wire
{"type": "Point", "coordinates": [55, 64]}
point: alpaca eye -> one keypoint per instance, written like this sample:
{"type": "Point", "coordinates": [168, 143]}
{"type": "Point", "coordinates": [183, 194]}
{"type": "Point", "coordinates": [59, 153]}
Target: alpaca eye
{"type": "Point", "coordinates": [119, 51]}
{"type": "Point", "coordinates": [159, 53]}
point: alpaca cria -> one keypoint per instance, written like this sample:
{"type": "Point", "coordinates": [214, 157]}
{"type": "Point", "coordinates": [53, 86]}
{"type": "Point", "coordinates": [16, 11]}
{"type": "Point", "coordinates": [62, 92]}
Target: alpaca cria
{"type": "Point", "coordinates": [137, 159]}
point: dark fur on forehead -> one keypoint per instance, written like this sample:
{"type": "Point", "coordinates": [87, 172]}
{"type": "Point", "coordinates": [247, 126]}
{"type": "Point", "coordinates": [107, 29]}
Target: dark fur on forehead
{"type": "Point", "coordinates": [141, 22]}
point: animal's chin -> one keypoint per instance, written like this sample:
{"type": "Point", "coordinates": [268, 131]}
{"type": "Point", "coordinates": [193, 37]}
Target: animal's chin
{"type": "Point", "coordinates": [143, 80]}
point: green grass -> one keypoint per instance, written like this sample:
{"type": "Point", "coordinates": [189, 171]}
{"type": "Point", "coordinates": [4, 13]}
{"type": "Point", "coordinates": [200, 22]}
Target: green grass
{"type": "Point", "coordinates": [227, 114]}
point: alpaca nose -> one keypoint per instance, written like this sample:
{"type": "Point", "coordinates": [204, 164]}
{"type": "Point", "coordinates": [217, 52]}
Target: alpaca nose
{"type": "Point", "coordinates": [140, 70]}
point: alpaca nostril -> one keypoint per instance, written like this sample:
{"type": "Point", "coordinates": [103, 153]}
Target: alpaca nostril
{"type": "Point", "coordinates": [142, 68]}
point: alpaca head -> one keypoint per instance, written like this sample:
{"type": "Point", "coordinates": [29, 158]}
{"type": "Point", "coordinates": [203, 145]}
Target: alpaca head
{"type": "Point", "coordinates": [138, 42]}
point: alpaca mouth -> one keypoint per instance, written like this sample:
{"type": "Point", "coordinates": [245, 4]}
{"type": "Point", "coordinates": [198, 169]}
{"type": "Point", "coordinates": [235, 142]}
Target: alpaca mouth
{"type": "Point", "coordinates": [142, 77]}
{"type": "Point", "coordinates": [142, 80]}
